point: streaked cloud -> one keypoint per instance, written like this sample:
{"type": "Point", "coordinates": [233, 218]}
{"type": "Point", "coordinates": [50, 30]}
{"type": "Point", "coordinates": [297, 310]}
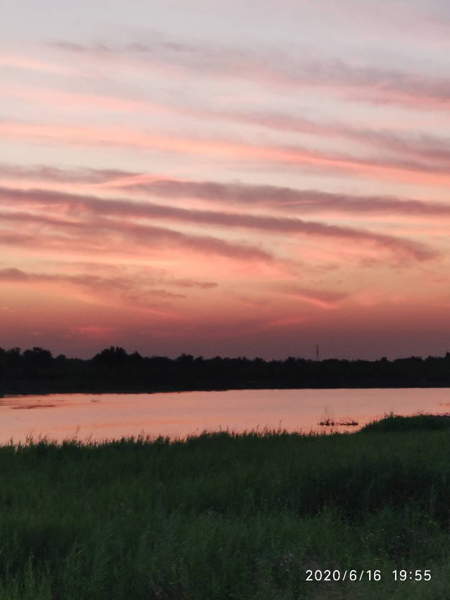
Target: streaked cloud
{"type": "Point", "coordinates": [389, 168]}
{"type": "Point", "coordinates": [146, 234]}
{"type": "Point", "coordinates": [270, 67]}
{"type": "Point", "coordinates": [235, 194]}
{"type": "Point", "coordinates": [128, 290]}
{"type": "Point", "coordinates": [322, 298]}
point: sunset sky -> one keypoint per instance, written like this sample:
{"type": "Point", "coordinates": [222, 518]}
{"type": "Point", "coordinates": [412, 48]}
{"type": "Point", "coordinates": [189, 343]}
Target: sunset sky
{"type": "Point", "coordinates": [226, 178]}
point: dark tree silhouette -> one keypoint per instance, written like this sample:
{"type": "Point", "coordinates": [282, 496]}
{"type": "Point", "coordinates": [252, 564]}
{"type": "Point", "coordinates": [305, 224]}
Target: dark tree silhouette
{"type": "Point", "coordinates": [113, 369]}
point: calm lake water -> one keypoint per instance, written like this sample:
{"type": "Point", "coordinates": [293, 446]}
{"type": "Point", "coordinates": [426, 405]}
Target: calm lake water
{"type": "Point", "coordinates": [101, 416]}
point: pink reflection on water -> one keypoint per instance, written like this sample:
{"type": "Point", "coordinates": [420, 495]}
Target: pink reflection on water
{"type": "Point", "coordinates": [62, 416]}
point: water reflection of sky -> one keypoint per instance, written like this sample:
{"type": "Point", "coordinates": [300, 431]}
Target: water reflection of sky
{"type": "Point", "coordinates": [61, 416]}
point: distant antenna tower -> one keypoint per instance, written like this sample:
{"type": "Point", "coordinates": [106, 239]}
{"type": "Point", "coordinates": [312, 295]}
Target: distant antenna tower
{"type": "Point", "coordinates": [317, 351]}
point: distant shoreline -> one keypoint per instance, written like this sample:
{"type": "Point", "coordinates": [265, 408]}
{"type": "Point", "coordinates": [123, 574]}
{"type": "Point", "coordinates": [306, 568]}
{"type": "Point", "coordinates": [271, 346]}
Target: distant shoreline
{"type": "Point", "coordinates": [37, 372]}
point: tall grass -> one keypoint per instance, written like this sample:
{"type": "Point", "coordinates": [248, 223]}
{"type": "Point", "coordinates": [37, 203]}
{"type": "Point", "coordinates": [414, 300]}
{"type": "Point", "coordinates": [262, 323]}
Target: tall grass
{"type": "Point", "coordinates": [224, 516]}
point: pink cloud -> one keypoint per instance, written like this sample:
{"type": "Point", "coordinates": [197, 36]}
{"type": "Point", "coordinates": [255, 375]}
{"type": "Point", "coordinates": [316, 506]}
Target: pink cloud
{"type": "Point", "coordinates": [29, 63]}
{"type": "Point", "coordinates": [103, 235]}
{"type": "Point", "coordinates": [419, 146]}
{"type": "Point", "coordinates": [92, 330]}
{"type": "Point", "coordinates": [269, 67]}
{"type": "Point", "coordinates": [138, 292]}
{"type": "Point", "coordinates": [322, 298]}
{"type": "Point", "coordinates": [64, 100]}
{"type": "Point", "coordinates": [238, 195]}
{"type": "Point", "coordinates": [387, 168]}
{"type": "Point", "coordinates": [149, 234]}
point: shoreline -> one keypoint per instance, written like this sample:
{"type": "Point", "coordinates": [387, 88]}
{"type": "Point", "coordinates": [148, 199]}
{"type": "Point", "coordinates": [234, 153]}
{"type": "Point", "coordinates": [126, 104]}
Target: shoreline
{"type": "Point", "coordinates": [45, 391]}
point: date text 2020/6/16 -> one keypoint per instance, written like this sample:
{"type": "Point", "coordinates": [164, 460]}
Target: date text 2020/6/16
{"type": "Point", "coordinates": [366, 574]}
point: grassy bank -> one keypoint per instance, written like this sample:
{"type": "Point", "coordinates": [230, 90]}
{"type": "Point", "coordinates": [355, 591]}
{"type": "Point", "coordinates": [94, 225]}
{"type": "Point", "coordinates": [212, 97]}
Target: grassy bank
{"type": "Point", "coordinates": [226, 516]}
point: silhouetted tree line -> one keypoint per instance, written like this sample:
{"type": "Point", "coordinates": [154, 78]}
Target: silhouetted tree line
{"type": "Point", "coordinates": [37, 371]}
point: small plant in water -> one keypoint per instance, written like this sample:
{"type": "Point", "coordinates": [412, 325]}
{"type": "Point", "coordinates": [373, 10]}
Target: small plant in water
{"type": "Point", "coordinates": [346, 422]}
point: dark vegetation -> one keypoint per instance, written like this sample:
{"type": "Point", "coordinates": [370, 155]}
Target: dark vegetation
{"type": "Point", "coordinates": [420, 422]}
{"type": "Point", "coordinates": [225, 516]}
{"type": "Point", "coordinates": [114, 370]}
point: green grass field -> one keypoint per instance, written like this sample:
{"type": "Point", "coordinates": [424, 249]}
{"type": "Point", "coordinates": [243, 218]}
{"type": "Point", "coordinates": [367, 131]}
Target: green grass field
{"type": "Point", "coordinates": [225, 516]}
